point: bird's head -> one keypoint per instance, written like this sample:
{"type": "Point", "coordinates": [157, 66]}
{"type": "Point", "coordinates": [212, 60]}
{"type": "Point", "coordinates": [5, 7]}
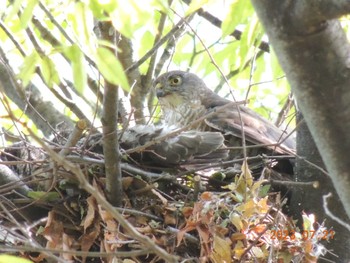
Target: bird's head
{"type": "Point", "coordinates": [176, 88]}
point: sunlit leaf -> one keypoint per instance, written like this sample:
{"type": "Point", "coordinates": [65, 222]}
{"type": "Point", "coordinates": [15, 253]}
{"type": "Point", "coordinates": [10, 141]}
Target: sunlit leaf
{"type": "Point", "coordinates": [221, 250]}
{"type": "Point", "coordinates": [244, 181]}
{"type": "Point", "coordinates": [248, 208]}
{"type": "Point", "coordinates": [275, 65]}
{"type": "Point", "coordinates": [263, 206]}
{"type": "Point", "coordinates": [15, 7]}
{"type": "Point", "coordinates": [100, 8]}
{"type": "Point", "coordinates": [28, 67]}
{"type": "Point", "coordinates": [250, 38]}
{"type": "Point", "coordinates": [77, 59]}
{"type": "Point", "coordinates": [240, 10]}
{"type": "Point", "coordinates": [246, 174]}
{"type": "Point", "coordinates": [13, 259]}
{"type": "Point", "coordinates": [257, 252]}
{"type": "Point", "coordinates": [256, 186]}
{"type": "Point", "coordinates": [195, 5]}
{"type": "Point", "coordinates": [49, 72]}
{"type": "Point", "coordinates": [130, 16]}
{"type": "Point", "coordinates": [308, 221]}
{"type": "Point", "coordinates": [236, 220]}
{"type": "Point", "coordinates": [239, 249]}
{"type": "Point", "coordinates": [79, 18]}
{"type": "Point", "coordinates": [27, 14]}
{"type": "Point", "coordinates": [110, 68]}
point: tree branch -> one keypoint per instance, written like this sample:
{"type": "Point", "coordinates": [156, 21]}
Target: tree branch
{"type": "Point", "coordinates": [111, 151]}
{"type": "Point", "coordinates": [313, 12]}
{"type": "Point", "coordinates": [178, 26]}
{"type": "Point", "coordinates": [139, 91]}
{"type": "Point", "coordinates": [237, 34]}
{"type": "Point", "coordinates": [314, 53]}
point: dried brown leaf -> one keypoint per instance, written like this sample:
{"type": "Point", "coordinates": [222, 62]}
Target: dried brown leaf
{"type": "Point", "coordinates": [221, 250]}
{"type": "Point", "coordinates": [53, 230]}
{"type": "Point", "coordinates": [90, 215]}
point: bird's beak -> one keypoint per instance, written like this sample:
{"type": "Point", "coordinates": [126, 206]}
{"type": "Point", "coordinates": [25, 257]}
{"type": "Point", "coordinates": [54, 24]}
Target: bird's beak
{"type": "Point", "coordinates": [160, 91]}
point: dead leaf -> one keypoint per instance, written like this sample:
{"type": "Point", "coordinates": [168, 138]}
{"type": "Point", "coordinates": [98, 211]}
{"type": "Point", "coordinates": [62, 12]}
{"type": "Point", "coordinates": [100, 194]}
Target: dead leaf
{"type": "Point", "coordinates": [126, 182]}
{"type": "Point", "coordinates": [257, 252]}
{"type": "Point", "coordinates": [238, 236]}
{"type": "Point", "coordinates": [187, 211]}
{"type": "Point", "coordinates": [248, 209]}
{"type": "Point", "coordinates": [190, 225]}
{"type": "Point", "coordinates": [204, 235]}
{"type": "Point", "coordinates": [236, 221]}
{"type": "Point", "coordinates": [238, 250]}
{"type": "Point", "coordinates": [53, 231]}
{"type": "Point", "coordinates": [67, 242]}
{"type": "Point", "coordinates": [259, 228]}
{"type": "Point", "coordinates": [221, 250]}
{"type": "Point", "coordinates": [206, 196]}
{"type": "Point", "coordinates": [90, 215]}
{"type": "Point", "coordinates": [88, 239]}
{"type": "Point", "coordinates": [169, 218]}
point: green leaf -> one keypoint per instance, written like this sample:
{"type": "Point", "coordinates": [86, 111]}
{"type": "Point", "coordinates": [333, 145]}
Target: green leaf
{"type": "Point", "coordinates": [42, 195]}
{"type": "Point", "coordinates": [27, 14]}
{"type": "Point", "coordinates": [79, 17]}
{"type": "Point", "coordinates": [277, 71]}
{"type": "Point", "coordinates": [308, 221]}
{"type": "Point", "coordinates": [13, 259]}
{"type": "Point", "coordinates": [110, 68]}
{"type": "Point", "coordinates": [49, 72]}
{"type": "Point", "coordinates": [195, 5]}
{"type": "Point", "coordinates": [28, 67]}
{"type": "Point", "coordinates": [264, 190]}
{"type": "Point", "coordinates": [250, 37]}
{"type": "Point", "coordinates": [240, 11]}
{"type": "Point", "coordinates": [15, 6]}
{"type": "Point", "coordinates": [99, 8]}
{"type": "Point", "coordinates": [77, 59]}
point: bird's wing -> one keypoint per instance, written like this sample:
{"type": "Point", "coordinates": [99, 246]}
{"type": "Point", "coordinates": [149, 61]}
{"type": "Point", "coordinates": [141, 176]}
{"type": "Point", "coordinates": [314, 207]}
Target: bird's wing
{"type": "Point", "coordinates": [186, 147]}
{"type": "Point", "coordinates": [257, 129]}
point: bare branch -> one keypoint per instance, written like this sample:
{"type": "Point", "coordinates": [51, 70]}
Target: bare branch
{"type": "Point", "coordinates": [178, 26]}
{"type": "Point", "coordinates": [139, 91]}
{"type": "Point", "coordinates": [111, 151]}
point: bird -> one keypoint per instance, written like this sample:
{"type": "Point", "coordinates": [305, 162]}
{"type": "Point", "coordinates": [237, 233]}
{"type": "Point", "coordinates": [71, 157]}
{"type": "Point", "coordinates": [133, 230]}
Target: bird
{"type": "Point", "coordinates": [165, 146]}
{"type": "Point", "coordinates": [184, 99]}
{"type": "Point", "coordinates": [160, 146]}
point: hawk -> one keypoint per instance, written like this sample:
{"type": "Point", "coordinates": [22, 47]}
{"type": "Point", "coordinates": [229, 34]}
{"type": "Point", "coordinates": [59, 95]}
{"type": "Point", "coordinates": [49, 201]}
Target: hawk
{"type": "Point", "coordinates": [185, 148]}
{"type": "Point", "coordinates": [185, 98]}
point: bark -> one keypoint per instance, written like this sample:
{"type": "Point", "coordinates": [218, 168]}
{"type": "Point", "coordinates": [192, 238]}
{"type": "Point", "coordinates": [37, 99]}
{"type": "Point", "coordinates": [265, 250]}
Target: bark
{"type": "Point", "coordinates": [309, 200]}
{"type": "Point", "coordinates": [111, 149]}
{"type": "Point", "coordinates": [139, 91]}
{"type": "Point", "coordinates": [314, 52]}
{"type": "Point", "coordinates": [43, 113]}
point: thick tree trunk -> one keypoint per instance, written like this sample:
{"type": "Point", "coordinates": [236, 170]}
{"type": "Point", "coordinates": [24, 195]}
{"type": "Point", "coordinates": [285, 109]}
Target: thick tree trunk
{"type": "Point", "coordinates": [310, 200]}
{"type": "Point", "coordinates": [314, 53]}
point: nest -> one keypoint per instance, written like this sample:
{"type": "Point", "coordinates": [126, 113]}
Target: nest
{"type": "Point", "coordinates": [176, 205]}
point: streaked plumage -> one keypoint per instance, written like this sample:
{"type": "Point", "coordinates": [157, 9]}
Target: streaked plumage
{"type": "Point", "coordinates": [184, 97]}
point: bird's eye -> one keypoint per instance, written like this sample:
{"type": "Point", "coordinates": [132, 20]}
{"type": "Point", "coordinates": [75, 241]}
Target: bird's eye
{"type": "Point", "coordinates": [175, 81]}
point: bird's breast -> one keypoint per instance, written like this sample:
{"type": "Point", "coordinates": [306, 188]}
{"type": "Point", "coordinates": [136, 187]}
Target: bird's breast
{"type": "Point", "coordinates": [184, 115]}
